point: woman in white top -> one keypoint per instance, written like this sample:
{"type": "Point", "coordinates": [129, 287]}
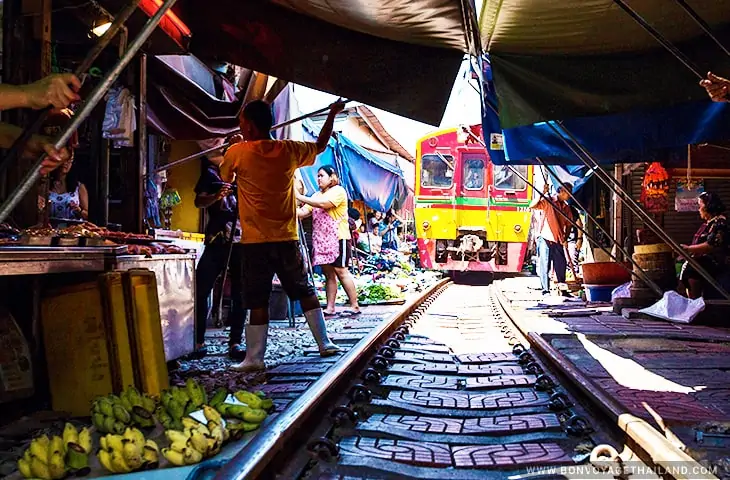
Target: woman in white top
{"type": "Point", "coordinates": [68, 198]}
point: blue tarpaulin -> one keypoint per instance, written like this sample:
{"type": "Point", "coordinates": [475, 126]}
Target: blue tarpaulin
{"type": "Point", "coordinates": [366, 177]}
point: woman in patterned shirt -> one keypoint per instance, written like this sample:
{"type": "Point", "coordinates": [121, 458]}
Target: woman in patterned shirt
{"type": "Point", "coordinates": [710, 246]}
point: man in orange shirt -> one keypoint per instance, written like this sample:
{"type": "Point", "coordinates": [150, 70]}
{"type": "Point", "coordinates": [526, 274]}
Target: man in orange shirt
{"type": "Point", "coordinates": [264, 170]}
{"type": "Point", "coordinates": [552, 235]}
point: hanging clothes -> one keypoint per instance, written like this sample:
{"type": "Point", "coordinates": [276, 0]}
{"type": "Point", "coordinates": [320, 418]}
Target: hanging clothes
{"type": "Point", "coordinates": [120, 121]}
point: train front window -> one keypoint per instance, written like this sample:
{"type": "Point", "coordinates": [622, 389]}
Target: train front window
{"type": "Point", "coordinates": [505, 178]}
{"type": "Point", "coordinates": [473, 172]}
{"type": "Point", "coordinates": [437, 170]}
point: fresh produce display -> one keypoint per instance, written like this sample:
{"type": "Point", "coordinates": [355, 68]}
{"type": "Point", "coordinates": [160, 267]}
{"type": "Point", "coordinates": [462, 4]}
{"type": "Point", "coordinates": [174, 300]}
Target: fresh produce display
{"type": "Point", "coordinates": [128, 453]}
{"type": "Point", "coordinates": [376, 293]}
{"type": "Point", "coordinates": [197, 441]}
{"type": "Point", "coordinates": [55, 457]}
{"type": "Point", "coordinates": [178, 402]}
{"type": "Point", "coordinates": [112, 414]}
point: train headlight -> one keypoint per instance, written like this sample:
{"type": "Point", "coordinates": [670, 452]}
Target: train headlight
{"type": "Point", "coordinates": [426, 225]}
{"type": "Point", "coordinates": [518, 228]}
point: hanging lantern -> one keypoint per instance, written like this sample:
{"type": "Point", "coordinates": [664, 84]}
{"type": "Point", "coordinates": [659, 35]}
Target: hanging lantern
{"type": "Point", "coordinates": [655, 189]}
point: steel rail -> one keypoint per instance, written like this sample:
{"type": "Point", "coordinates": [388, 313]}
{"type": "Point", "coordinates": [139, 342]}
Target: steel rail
{"type": "Point", "coordinates": [574, 223]}
{"type": "Point", "coordinates": [618, 189]}
{"type": "Point", "coordinates": [641, 272]}
{"type": "Point", "coordinates": [96, 96]}
{"type": "Point", "coordinates": [228, 144]}
{"type": "Point", "coordinates": [104, 41]}
{"type": "Point", "coordinates": [254, 458]}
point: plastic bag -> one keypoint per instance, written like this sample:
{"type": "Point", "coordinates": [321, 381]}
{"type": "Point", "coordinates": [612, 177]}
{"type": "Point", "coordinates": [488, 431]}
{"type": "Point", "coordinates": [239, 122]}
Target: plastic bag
{"type": "Point", "coordinates": [675, 308]}
{"type": "Point", "coordinates": [622, 291]}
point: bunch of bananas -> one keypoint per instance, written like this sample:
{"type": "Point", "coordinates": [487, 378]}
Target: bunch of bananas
{"type": "Point", "coordinates": [246, 417]}
{"type": "Point", "coordinates": [128, 453]}
{"type": "Point", "coordinates": [113, 414]}
{"type": "Point", "coordinates": [53, 458]}
{"type": "Point", "coordinates": [178, 402]}
{"type": "Point", "coordinates": [197, 441]}
{"type": "Point", "coordinates": [254, 400]}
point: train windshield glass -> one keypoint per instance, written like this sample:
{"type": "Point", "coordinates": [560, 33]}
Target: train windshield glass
{"type": "Point", "coordinates": [505, 178]}
{"type": "Point", "coordinates": [437, 170]}
{"type": "Point", "coordinates": [473, 173]}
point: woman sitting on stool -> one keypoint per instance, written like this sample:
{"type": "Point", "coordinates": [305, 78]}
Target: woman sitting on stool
{"type": "Point", "coordinates": [710, 246]}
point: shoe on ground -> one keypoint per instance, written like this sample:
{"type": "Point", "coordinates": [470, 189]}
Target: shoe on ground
{"type": "Point", "coordinates": [237, 352]}
{"type": "Point", "coordinates": [249, 367]}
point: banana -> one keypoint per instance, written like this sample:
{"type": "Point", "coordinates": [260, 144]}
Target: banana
{"type": "Point", "coordinates": [135, 398]}
{"type": "Point", "coordinates": [211, 414]}
{"type": "Point", "coordinates": [39, 448]}
{"type": "Point", "coordinates": [190, 408]}
{"type": "Point", "coordinates": [117, 461]}
{"type": "Point", "coordinates": [192, 456]}
{"type": "Point", "coordinates": [132, 455]}
{"type": "Point", "coordinates": [142, 417]}
{"type": "Point", "coordinates": [150, 456]}
{"type": "Point", "coordinates": [115, 443]}
{"type": "Point", "coordinates": [98, 420]}
{"type": "Point", "coordinates": [192, 390]}
{"type": "Point", "coordinates": [176, 458]}
{"type": "Point", "coordinates": [134, 435]}
{"type": "Point", "coordinates": [124, 398]}
{"type": "Point", "coordinates": [219, 397]}
{"type": "Point", "coordinates": [176, 436]}
{"type": "Point", "coordinates": [253, 401]}
{"type": "Point", "coordinates": [85, 440]}
{"type": "Point", "coordinates": [24, 468]}
{"type": "Point", "coordinates": [119, 428]}
{"type": "Point", "coordinates": [151, 444]}
{"type": "Point", "coordinates": [148, 403]}
{"type": "Point", "coordinates": [76, 457]}
{"type": "Point", "coordinates": [103, 443]}
{"type": "Point", "coordinates": [179, 446]}
{"type": "Point", "coordinates": [176, 409]}
{"type": "Point", "coordinates": [121, 414]}
{"type": "Point", "coordinates": [109, 425]}
{"type": "Point", "coordinates": [190, 423]}
{"type": "Point", "coordinates": [57, 465]}
{"type": "Point", "coordinates": [56, 446]}
{"type": "Point", "coordinates": [165, 399]}
{"type": "Point", "coordinates": [164, 418]}
{"type": "Point", "coordinates": [180, 395]}
{"type": "Point", "coordinates": [27, 456]}
{"type": "Point", "coordinates": [106, 407]}
{"type": "Point", "coordinates": [236, 424]}
{"type": "Point", "coordinates": [214, 446]}
{"type": "Point", "coordinates": [203, 429]}
{"type": "Point", "coordinates": [39, 469]}
{"type": "Point", "coordinates": [105, 458]}
{"type": "Point", "coordinates": [252, 415]}
{"type": "Point", "coordinates": [70, 434]}
{"type": "Point", "coordinates": [199, 442]}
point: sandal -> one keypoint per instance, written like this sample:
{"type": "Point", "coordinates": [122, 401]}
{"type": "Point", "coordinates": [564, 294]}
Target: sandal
{"type": "Point", "coordinates": [350, 313]}
{"type": "Point", "coordinates": [330, 315]}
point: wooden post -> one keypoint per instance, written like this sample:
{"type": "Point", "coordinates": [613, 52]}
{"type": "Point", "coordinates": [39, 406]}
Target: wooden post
{"type": "Point", "coordinates": [142, 144]}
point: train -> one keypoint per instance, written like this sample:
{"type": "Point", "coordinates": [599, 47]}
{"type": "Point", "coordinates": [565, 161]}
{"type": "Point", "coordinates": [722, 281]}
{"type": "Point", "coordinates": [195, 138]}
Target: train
{"type": "Point", "coordinates": [470, 214]}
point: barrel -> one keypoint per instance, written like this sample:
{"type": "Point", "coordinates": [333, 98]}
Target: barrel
{"type": "Point", "coordinates": [657, 262]}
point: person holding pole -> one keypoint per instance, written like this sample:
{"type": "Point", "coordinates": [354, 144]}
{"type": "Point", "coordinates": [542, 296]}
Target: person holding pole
{"type": "Point", "coordinates": [717, 87]}
{"type": "Point", "coordinates": [264, 171]}
{"type": "Point", "coordinates": [552, 234]}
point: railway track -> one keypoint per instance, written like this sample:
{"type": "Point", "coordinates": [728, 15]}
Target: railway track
{"type": "Point", "coordinates": [449, 389]}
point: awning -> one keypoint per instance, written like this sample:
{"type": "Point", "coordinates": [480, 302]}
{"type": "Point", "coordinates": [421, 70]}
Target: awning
{"type": "Point", "coordinates": [589, 64]}
{"type": "Point", "coordinates": [399, 55]}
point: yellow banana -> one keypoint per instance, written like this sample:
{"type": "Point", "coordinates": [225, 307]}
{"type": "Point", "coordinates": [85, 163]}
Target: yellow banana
{"type": "Point", "coordinates": [214, 446]}
{"type": "Point", "coordinates": [151, 453]}
{"type": "Point", "coordinates": [56, 445]}
{"type": "Point", "coordinates": [176, 458]}
{"type": "Point", "coordinates": [39, 469]}
{"type": "Point", "coordinates": [190, 423]}
{"type": "Point", "coordinates": [39, 448]}
{"type": "Point", "coordinates": [176, 436]}
{"type": "Point", "coordinates": [203, 429]}
{"type": "Point", "coordinates": [27, 456]}
{"type": "Point", "coordinates": [132, 455]}
{"type": "Point", "coordinates": [151, 444]}
{"type": "Point", "coordinates": [120, 466]}
{"type": "Point", "coordinates": [134, 435]}
{"type": "Point", "coordinates": [105, 458]}
{"type": "Point", "coordinates": [179, 446]}
{"type": "Point", "coordinates": [198, 441]}
{"type": "Point", "coordinates": [70, 434]}
{"type": "Point", "coordinates": [192, 456]}
{"type": "Point", "coordinates": [57, 466]}
{"type": "Point", "coordinates": [85, 440]}
{"type": "Point", "coordinates": [114, 443]}
{"type": "Point", "coordinates": [24, 468]}
{"type": "Point", "coordinates": [103, 443]}
{"type": "Point", "coordinates": [250, 399]}
{"type": "Point", "coordinates": [211, 414]}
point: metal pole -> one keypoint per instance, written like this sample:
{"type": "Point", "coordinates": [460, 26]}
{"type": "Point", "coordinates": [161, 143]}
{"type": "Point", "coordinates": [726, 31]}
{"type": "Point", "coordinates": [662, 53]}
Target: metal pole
{"type": "Point", "coordinates": [105, 39]}
{"type": "Point", "coordinates": [617, 188]}
{"type": "Point", "coordinates": [659, 38]}
{"type": "Point", "coordinates": [143, 142]}
{"type": "Point", "coordinates": [703, 25]}
{"type": "Point", "coordinates": [569, 219]}
{"type": "Point", "coordinates": [228, 144]}
{"type": "Point", "coordinates": [641, 273]}
{"type": "Point", "coordinates": [96, 96]}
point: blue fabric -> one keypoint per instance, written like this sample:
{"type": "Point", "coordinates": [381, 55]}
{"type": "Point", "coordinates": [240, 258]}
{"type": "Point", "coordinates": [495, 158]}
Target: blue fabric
{"type": "Point", "coordinates": [364, 176]}
{"type": "Point", "coordinates": [550, 254]}
{"type": "Point", "coordinates": [635, 136]}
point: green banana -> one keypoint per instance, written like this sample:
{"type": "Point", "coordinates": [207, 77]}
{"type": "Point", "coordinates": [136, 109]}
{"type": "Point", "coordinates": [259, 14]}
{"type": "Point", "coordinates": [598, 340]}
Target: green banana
{"type": "Point", "coordinates": [106, 407]}
{"type": "Point", "coordinates": [267, 404]}
{"type": "Point", "coordinates": [148, 403]}
{"type": "Point", "coordinates": [165, 399]}
{"type": "Point", "coordinates": [253, 401]}
{"type": "Point", "coordinates": [110, 425]}
{"type": "Point", "coordinates": [121, 414]}
{"type": "Point", "coordinates": [98, 420]}
{"type": "Point", "coordinates": [248, 414]}
{"type": "Point", "coordinates": [191, 388]}
{"type": "Point", "coordinates": [190, 408]}
{"type": "Point", "coordinates": [219, 397]}
{"type": "Point", "coordinates": [124, 398]}
{"type": "Point", "coordinates": [176, 409]}
{"type": "Point", "coordinates": [76, 457]}
{"type": "Point", "coordinates": [142, 417]}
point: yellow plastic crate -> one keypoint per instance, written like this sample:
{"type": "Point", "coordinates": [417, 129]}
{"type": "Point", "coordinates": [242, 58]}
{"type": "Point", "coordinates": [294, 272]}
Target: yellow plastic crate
{"type": "Point", "coordinates": [140, 287]}
{"type": "Point", "coordinates": [112, 288]}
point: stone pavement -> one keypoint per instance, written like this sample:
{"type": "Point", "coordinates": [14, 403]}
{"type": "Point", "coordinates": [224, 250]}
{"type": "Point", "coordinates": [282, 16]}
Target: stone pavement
{"type": "Point", "coordinates": [675, 376]}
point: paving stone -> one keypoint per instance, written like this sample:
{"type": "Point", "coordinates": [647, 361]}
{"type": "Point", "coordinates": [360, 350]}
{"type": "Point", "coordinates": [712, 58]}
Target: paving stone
{"type": "Point", "coordinates": [487, 358]}
{"type": "Point", "coordinates": [483, 383]}
{"type": "Point", "coordinates": [507, 424]}
{"type": "Point", "coordinates": [282, 388]}
{"type": "Point", "coordinates": [444, 383]}
{"type": "Point", "coordinates": [452, 400]}
{"type": "Point", "coordinates": [511, 455]}
{"type": "Point", "coordinates": [413, 453]}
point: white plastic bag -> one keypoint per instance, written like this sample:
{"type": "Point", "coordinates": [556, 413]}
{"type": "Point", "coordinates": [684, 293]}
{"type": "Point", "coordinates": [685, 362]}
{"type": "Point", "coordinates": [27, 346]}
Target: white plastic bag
{"type": "Point", "coordinates": [675, 308]}
{"type": "Point", "coordinates": [622, 291]}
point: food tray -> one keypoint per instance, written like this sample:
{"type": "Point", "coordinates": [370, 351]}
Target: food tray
{"type": "Point", "coordinates": [36, 241]}
{"type": "Point", "coordinates": [91, 242]}
{"type": "Point", "coordinates": [67, 241]}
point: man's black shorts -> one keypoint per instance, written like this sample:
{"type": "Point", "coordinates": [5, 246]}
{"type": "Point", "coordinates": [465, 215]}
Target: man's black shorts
{"type": "Point", "coordinates": [259, 264]}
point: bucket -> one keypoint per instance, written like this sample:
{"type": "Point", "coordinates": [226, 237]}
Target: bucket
{"type": "Point", "coordinates": [658, 264]}
{"type": "Point", "coordinates": [599, 293]}
{"type": "Point", "coordinates": [606, 273]}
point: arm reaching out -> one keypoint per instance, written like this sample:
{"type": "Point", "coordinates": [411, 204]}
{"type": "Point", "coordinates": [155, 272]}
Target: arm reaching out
{"type": "Point", "coordinates": [57, 90]}
{"type": "Point", "coordinates": [326, 132]}
{"type": "Point", "coordinates": [717, 87]}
